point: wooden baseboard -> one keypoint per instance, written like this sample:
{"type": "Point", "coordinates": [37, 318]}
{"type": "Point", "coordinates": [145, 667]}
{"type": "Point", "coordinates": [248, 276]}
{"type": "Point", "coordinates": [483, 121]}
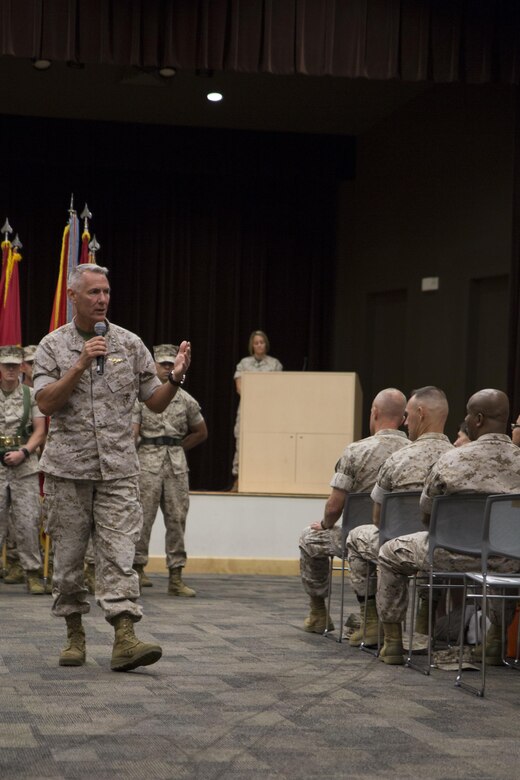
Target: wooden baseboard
{"type": "Point", "coordinates": [274, 566]}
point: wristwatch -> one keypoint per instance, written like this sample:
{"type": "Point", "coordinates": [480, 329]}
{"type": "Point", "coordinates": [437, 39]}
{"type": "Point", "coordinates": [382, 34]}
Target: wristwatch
{"type": "Point", "coordinates": [173, 381]}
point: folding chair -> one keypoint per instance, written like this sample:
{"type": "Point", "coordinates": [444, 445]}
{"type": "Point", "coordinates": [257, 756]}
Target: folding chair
{"type": "Point", "coordinates": [357, 511]}
{"type": "Point", "coordinates": [501, 537]}
{"type": "Point", "coordinates": [456, 524]}
{"type": "Point", "coordinates": [400, 515]}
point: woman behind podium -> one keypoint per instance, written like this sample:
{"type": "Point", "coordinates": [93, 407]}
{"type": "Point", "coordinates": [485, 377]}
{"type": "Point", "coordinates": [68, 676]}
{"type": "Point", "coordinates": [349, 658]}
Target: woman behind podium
{"type": "Point", "coordinates": [257, 360]}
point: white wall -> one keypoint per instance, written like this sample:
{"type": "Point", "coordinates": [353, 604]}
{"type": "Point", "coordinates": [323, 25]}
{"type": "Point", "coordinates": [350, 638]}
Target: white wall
{"type": "Point", "coordinates": [233, 532]}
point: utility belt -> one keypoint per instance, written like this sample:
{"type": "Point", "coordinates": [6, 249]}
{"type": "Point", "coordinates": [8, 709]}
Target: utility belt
{"type": "Point", "coordinates": [162, 441]}
{"type": "Point", "coordinates": [10, 444]}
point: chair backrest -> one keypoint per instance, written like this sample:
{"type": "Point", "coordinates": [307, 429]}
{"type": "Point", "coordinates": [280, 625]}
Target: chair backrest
{"type": "Point", "coordinates": [357, 511]}
{"type": "Point", "coordinates": [400, 514]}
{"type": "Point", "coordinates": [501, 527]}
{"type": "Point", "coordinates": [457, 523]}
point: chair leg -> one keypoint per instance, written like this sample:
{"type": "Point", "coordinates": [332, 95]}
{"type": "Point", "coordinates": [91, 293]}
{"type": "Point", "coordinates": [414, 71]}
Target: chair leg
{"type": "Point", "coordinates": [517, 638]}
{"type": "Point", "coordinates": [459, 682]}
{"type": "Point", "coordinates": [342, 610]}
{"type": "Point", "coordinates": [327, 620]}
{"type": "Point", "coordinates": [484, 640]}
{"type": "Point", "coordinates": [408, 660]}
{"type": "Point", "coordinates": [458, 679]}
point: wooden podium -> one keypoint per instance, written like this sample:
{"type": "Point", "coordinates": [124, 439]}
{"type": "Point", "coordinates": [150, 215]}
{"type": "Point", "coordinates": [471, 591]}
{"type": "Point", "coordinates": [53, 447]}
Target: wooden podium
{"type": "Point", "coordinates": [294, 427]}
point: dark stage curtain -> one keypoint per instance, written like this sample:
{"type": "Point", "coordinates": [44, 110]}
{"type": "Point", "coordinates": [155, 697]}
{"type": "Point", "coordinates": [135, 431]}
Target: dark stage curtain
{"type": "Point", "coordinates": [208, 235]}
{"type": "Point", "coordinates": [441, 40]}
{"type": "Point", "coordinates": [514, 316]}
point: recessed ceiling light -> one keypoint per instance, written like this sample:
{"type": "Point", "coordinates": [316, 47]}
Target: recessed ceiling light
{"type": "Point", "coordinates": [167, 72]}
{"type": "Point", "coordinates": [41, 64]}
{"type": "Point", "coordinates": [215, 97]}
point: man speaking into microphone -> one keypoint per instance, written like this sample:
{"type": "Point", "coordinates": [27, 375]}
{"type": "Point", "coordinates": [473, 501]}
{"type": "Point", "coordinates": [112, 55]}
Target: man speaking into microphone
{"type": "Point", "coordinates": [87, 384]}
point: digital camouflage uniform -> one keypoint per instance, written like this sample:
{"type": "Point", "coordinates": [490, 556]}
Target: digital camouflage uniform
{"type": "Point", "coordinates": [164, 474]}
{"type": "Point", "coordinates": [250, 363]}
{"type": "Point", "coordinates": [404, 470]}
{"type": "Point", "coordinates": [11, 551]}
{"type": "Point", "coordinates": [91, 469]}
{"type": "Point", "coordinates": [19, 485]}
{"type": "Point", "coordinates": [491, 464]}
{"type": "Point", "coordinates": [355, 472]}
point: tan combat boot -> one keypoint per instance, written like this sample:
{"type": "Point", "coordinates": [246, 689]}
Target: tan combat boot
{"type": "Point", "coordinates": [128, 651]}
{"type": "Point", "coordinates": [372, 630]}
{"type": "Point", "coordinates": [176, 586]}
{"type": "Point", "coordinates": [73, 654]}
{"type": "Point", "coordinates": [34, 583]}
{"type": "Point", "coordinates": [315, 622]}
{"type": "Point", "coordinates": [89, 577]}
{"type": "Point", "coordinates": [144, 582]}
{"type": "Point", "coordinates": [392, 651]}
{"type": "Point", "coordinates": [15, 574]}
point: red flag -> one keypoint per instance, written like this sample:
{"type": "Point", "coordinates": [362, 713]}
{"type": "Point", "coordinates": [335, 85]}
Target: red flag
{"type": "Point", "coordinates": [85, 254]}
{"type": "Point", "coordinates": [61, 308]}
{"type": "Point", "coordinates": [88, 252]}
{"type": "Point", "coordinates": [10, 320]}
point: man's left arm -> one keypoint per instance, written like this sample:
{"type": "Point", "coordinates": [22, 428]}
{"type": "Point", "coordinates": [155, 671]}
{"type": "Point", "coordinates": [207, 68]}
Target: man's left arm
{"type": "Point", "coordinates": [198, 433]}
{"type": "Point", "coordinates": [164, 394]}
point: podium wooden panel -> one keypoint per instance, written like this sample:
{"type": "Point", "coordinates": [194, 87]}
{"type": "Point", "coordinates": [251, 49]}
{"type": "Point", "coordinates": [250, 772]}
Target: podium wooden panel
{"type": "Point", "coordinates": [293, 428]}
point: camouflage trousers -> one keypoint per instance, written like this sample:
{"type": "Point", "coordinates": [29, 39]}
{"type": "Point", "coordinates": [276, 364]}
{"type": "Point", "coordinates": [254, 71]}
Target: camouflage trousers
{"type": "Point", "coordinates": [362, 551]}
{"type": "Point", "coordinates": [404, 556]}
{"type": "Point", "coordinates": [172, 493]}
{"type": "Point", "coordinates": [109, 510]}
{"type": "Point", "coordinates": [20, 511]}
{"type": "Point", "coordinates": [10, 541]}
{"type": "Point", "coordinates": [316, 548]}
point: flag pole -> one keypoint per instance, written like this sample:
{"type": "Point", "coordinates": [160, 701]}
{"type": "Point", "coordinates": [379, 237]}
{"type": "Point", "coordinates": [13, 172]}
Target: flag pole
{"type": "Point", "coordinates": [85, 237]}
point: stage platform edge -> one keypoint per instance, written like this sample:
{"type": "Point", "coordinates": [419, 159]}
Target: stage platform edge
{"type": "Point", "coordinates": [241, 533]}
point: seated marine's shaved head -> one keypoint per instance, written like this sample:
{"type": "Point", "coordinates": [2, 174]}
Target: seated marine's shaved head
{"type": "Point", "coordinates": [488, 412]}
{"type": "Point", "coordinates": [432, 399]}
{"type": "Point", "coordinates": [390, 403]}
{"type": "Point", "coordinates": [426, 411]}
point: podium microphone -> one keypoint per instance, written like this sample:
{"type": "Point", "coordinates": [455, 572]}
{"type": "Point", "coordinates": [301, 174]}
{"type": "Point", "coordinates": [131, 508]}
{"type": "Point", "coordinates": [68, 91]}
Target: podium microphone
{"type": "Point", "coordinates": [100, 329]}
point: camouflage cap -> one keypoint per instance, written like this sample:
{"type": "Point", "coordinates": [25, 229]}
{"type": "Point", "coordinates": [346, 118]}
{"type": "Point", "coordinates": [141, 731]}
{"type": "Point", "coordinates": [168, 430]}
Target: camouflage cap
{"type": "Point", "coordinates": [11, 354]}
{"type": "Point", "coordinates": [165, 353]}
{"type": "Point", "coordinates": [29, 351]}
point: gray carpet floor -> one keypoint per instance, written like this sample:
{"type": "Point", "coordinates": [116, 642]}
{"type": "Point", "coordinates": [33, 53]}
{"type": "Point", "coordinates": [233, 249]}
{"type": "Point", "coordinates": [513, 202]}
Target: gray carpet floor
{"type": "Point", "coordinates": [241, 691]}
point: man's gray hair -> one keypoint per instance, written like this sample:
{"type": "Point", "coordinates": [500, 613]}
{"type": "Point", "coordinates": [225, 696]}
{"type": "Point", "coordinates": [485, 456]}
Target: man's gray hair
{"type": "Point", "coordinates": [76, 274]}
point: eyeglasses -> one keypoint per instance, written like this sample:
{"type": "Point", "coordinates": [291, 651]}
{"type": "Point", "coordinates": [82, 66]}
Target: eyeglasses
{"type": "Point", "coordinates": [515, 425]}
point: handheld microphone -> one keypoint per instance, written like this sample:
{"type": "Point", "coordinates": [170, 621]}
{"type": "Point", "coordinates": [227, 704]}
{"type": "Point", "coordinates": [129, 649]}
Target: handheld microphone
{"type": "Point", "coordinates": [100, 329]}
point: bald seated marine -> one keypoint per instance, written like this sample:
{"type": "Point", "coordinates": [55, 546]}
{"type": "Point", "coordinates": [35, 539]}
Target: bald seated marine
{"type": "Point", "coordinates": [405, 470]}
{"type": "Point", "coordinates": [490, 463]}
{"type": "Point", "coordinates": [355, 472]}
